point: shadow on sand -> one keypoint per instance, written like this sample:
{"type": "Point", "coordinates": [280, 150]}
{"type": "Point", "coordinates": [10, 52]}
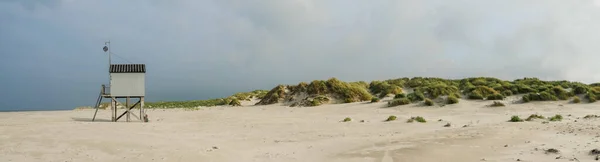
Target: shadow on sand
{"type": "Point", "coordinates": [90, 120]}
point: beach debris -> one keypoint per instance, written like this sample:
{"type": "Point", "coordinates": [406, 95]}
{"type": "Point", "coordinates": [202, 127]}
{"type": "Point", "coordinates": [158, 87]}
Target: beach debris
{"type": "Point", "coordinates": [362, 121]}
{"type": "Point", "coordinates": [215, 147]}
{"type": "Point", "coordinates": [447, 125]}
{"type": "Point", "coordinates": [594, 152]}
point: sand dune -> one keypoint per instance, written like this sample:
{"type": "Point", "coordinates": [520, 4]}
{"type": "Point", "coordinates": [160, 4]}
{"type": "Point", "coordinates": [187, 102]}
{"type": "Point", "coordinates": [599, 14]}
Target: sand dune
{"type": "Point", "coordinates": [279, 133]}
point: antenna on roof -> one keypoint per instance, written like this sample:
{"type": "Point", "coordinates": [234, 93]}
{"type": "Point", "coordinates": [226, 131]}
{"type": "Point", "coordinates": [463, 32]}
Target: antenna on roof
{"type": "Point", "coordinates": [106, 48]}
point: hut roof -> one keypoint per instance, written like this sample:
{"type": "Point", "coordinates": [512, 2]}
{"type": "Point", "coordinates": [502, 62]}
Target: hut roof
{"type": "Point", "coordinates": [127, 68]}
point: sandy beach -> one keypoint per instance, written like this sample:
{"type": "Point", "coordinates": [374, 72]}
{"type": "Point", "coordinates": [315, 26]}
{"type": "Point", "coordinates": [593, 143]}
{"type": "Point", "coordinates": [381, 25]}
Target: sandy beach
{"type": "Point", "coordinates": [278, 133]}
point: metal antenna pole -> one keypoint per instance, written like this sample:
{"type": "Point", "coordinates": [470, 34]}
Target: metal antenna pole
{"type": "Point", "coordinates": [109, 61]}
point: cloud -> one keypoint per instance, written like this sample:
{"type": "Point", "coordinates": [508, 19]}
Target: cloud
{"type": "Point", "coordinates": [207, 49]}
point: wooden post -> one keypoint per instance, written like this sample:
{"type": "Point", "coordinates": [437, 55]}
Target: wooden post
{"type": "Point", "coordinates": [113, 109]}
{"type": "Point", "coordinates": [127, 108]}
{"type": "Point", "coordinates": [142, 115]}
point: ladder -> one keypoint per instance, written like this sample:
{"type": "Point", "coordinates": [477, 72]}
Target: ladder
{"type": "Point", "coordinates": [98, 102]}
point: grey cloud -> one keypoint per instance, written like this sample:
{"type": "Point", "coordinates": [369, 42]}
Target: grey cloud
{"type": "Point", "coordinates": [207, 49]}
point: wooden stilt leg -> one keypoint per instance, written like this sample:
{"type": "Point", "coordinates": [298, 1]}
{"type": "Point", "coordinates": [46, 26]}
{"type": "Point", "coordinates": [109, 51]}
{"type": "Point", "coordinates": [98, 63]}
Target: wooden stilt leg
{"type": "Point", "coordinates": [113, 109]}
{"type": "Point", "coordinates": [142, 113]}
{"type": "Point", "coordinates": [116, 109]}
{"type": "Point", "coordinates": [127, 108]}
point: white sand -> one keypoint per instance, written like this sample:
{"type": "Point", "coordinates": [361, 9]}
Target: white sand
{"type": "Point", "coordinates": [284, 134]}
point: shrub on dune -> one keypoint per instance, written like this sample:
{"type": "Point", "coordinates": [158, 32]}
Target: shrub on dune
{"type": "Point", "coordinates": [416, 96]}
{"type": "Point", "coordinates": [428, 102]}
{"type": "Point", "coordinates": [400, 101]}
{"type": "Point", "coordinates": [235, 102]}
{"type": "Point", "coordinates": [375, 99]}
{"type": "Point", "coordinates": [496, 96]}
{"type": "Point", "coordinates": [451, 100]}
{"type": "Point", "coordinates": [576, 99]}
{"type": "Point", "coordinates": [400, 95]}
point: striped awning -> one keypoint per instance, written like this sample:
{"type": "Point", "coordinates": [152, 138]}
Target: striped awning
{"type": "Point", "coordinates": [127, 68]}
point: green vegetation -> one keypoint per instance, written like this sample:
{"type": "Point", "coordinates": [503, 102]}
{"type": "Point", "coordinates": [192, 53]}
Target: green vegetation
{"type": "Point", "coordinates": [481, 92]}
{"type": "Point", "coordinates": [495, 96]}
{"type": "Point", "coordinates": [416, 96]}
{"type": "Point", "coordinates": [383, 88]}
{"type": "Point", "coordinates": [319, 100]}
{"type": "Point", "coordinates": [400, 101]}
{"type": "Point", "coordinates": [428, 102]}
{"type": "Point", "coordinates": [347, 119]}
{"type": "Point", "coordinates": [400, 95]}
{"type": "Point", "coordinates": [534, 116]}
{"type": "Point", "coordinates": [556, 117]}
{"type": "Point", "coordinates": [451, 100]}
{"type": "Point", "coordinates": [515, 119]}
{"type": "Point", "coordinates": [375, 99]}
{"type": "Point", "coordinates": [391, 118]}
{"type": "Point", "coordinates": [477, 88]}
{"type": "Point", "coordinates": [418, 119]}
{"type": "Point", "coordinates": [543, 96]}
{"type": "Point", "coordinates": [235, 102]}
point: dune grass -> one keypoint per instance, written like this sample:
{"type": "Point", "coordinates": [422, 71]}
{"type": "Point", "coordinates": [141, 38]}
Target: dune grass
{"type": "Point", "coordinates": [451, 100]}
{"type": "Point", "coordinates": [400, 101]}
{"type": "Point", "coordinates": [556, 117]}
{"type": "Point", "coordinates": [417, 119]}
{"type": "Point", "coordinates": [476, 88]}
{"type": "Point", "coordinates": [391, 118]}
{"type": "Point", "coordinates": [534, 116]}
{"type": "Point", "coordinates": [515, 119]}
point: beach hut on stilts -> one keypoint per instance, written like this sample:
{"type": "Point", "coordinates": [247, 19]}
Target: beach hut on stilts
{"type": "Point", "coordinates": [127, 81]}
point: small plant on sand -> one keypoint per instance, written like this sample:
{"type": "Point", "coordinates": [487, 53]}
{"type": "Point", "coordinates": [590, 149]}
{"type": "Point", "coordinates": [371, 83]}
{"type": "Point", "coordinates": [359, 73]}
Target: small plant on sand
{"type": "Point", "coordinates": [400, 101]}
{"type": "Point", "coordinates": [375, 99]}
{"type": "Point", "coordinates": [428, 102]}
{"type": "Point", "coordinates": [497, 104]}
{"type": "Point", "coordinates": [452, 100]}
{"type": "Point", "coordinates": [391, 118]}
{"type": "Point", "coordinates": [418, 119]}
{"type": "Point", "coordinates": [576, 100]}
{"type": "Point", "coordinates": [556, 117]}
{"type": "Point", "coordinates": [534, 116]}
{"type": "Point", "coordinates": [515, 119]}
{"type": "Point", "coordinates": [347, 119]}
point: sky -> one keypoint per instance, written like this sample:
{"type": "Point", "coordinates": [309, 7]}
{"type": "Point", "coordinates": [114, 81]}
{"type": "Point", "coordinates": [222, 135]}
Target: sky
{"type": "Point", "coordinates": [52, 58]}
